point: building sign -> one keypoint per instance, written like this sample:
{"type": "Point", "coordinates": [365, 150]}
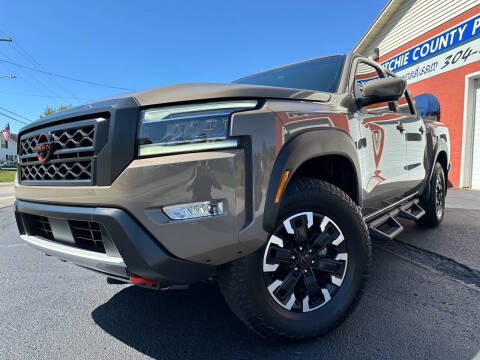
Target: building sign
{"type": "Point", "coordinates": [362, 82]}
{"type": "Point", "coordinates": [458, 46]}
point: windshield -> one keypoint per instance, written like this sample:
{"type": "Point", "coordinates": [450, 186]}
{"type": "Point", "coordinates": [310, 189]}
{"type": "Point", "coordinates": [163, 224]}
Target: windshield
{"type": "Point", "coordinates": [322, 74]}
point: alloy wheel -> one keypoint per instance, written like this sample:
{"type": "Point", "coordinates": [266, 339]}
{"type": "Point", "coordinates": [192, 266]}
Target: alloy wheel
{"type": "Point", "coordinates": [305, 262]}
{"type": "Point", "coordinates": [439, 196]}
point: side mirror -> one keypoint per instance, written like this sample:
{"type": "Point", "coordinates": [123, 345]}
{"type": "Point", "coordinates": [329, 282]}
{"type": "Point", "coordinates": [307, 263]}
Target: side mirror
{"type": "Point", "coordinates": [382, 90]}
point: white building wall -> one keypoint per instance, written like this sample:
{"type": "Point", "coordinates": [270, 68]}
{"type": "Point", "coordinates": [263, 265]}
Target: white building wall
{"type": "Point", "coordinates": [12, 150]}
{"type": "Point", "coordinates": [414, 18]}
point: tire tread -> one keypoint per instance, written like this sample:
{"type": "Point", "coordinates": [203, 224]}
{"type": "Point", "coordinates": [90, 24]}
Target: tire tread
{"type": "Point", "coordinates": [232, 276]}
{"type": "Point", "coordinates": [430, 218]}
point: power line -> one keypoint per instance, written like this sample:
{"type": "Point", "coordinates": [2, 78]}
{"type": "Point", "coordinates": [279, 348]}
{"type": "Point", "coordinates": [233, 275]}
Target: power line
{"type": "Point", "coordinates": [11, 117]}
{"type": "Point", "coordinates": [64, 76]}
{"type": "Point", "coordinates": [40, 95]}
{"type": "Point", "coordinates": [28, 74]}
{"type": "Point", "coordinates": [32, 77]}
{"type": "Point", "coordinates": [20, 116]}
{"type": "Point", "coordinates": [48, 88]}
{"type": "Point", "coordinates": [21, 50]}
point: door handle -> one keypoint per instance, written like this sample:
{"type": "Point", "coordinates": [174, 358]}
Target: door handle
{"type": "Point", "coordinates": [400, 127]}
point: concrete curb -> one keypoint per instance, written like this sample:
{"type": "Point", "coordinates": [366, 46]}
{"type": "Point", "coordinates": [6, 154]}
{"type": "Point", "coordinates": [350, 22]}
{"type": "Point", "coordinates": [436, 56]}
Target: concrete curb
{"type": "Point", "coordinates": [7, 183]}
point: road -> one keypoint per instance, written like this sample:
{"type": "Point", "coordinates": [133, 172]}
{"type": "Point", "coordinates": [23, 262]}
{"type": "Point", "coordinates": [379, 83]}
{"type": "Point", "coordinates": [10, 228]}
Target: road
{"type": "Point", "coordinates": [421, 301]}
{"type": "Point", "coordinates": [6, 195]}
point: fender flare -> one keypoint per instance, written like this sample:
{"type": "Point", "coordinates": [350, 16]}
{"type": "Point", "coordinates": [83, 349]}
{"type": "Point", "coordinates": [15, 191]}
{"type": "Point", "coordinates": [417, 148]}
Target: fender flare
{"type": "Point", "coordinates": [304, 147]}
{"type": "Point", "coordinates": [440, 146]}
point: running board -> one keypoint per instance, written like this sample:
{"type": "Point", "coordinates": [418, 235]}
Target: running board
{"type": "Point", "coordinates": [387, 227]}
{"type": "Point", "coordinates": [415, 212]}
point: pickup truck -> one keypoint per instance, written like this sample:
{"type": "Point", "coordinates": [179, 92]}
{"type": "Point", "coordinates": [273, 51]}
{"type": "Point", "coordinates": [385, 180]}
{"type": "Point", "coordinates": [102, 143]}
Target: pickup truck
{"type": "Point", "coordinates": [271, 186]}
{"type": "Point", "coordinates": [9, 165]}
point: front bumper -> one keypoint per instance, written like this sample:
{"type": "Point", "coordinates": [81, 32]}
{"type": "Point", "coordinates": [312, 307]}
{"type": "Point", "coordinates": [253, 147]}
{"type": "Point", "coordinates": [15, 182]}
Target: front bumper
{"type": "Point", "coordinates": [237, 177]}
{"type": "Point", "coordinates": [128, 247]}
{"type": "Point", "coordinates": [147, 185]}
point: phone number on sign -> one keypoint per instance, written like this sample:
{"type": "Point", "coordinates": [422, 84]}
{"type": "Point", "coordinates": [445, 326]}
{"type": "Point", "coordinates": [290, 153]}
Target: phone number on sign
{"type": "Point", "coordinates": [462, 55]}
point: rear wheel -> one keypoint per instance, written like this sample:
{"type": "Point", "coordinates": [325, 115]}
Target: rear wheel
{"type": "Point", "coordinates": [309, 275]}
{"type": "Point", "coordinates": [434, 206]}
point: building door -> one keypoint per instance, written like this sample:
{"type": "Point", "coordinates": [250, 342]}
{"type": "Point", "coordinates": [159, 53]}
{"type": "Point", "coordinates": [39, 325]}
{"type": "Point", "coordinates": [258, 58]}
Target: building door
{"type": "Point", "coordinates": [475, 179]}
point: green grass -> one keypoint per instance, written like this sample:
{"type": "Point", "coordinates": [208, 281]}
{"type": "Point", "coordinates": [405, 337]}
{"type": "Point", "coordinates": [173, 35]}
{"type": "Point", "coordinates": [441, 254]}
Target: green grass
{"type": "Point", "coordinates": [7, 176]}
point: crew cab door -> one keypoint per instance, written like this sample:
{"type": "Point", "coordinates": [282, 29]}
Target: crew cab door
{"type": "Point", "coordinates": [415, 137]}
{"type": "Point", "coordinates": [383, 149]}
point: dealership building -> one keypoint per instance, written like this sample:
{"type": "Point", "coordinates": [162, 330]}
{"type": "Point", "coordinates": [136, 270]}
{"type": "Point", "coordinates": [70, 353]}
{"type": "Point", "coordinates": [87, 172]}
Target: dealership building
{"type": "Point", "coordinates": [8, 150]}
{"type": "Point", "coordinates": [435, 46]}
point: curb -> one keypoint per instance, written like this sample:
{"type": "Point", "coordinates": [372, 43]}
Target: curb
{"type": "Point", "coordinates": [7, 184]}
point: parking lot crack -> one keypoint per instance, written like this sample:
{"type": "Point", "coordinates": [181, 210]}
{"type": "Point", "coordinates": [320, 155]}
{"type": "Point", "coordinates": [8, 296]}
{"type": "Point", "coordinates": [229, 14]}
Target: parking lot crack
{"type": "Point", "coordinates": [432, 262]}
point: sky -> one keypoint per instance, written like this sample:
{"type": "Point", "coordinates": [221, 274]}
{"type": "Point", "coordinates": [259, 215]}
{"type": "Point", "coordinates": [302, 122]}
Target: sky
{"type": "Point", "coordinates": [144, 44]}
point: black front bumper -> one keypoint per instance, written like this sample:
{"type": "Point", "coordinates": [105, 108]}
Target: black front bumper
{"type": "Point", "coordinates": [128, 248]}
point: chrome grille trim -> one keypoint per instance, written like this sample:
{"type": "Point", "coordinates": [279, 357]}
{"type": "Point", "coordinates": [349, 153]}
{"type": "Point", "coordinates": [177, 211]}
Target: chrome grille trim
{"type": "Point", "coordinates": [73, 158]}
{"type": "Point", "coordinates": [59, 170]}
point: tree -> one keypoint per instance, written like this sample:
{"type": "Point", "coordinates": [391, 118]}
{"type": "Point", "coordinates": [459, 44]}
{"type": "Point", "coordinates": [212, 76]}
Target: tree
{"type": "Point", "coordinates": [48, 110]}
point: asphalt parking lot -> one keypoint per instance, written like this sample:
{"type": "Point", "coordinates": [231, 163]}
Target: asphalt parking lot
{"type": "Point", "coordinates": [421, 301]}
{"type": "Point", "coordinates": [6, 194]}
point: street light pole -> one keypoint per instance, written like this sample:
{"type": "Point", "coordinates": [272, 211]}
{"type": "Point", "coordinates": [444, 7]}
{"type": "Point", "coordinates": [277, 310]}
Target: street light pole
{"type": "Point", "coordinates": [7, 76]}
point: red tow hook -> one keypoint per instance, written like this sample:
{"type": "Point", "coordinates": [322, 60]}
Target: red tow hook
{"type": "Point", "coordinates": [140, 280]}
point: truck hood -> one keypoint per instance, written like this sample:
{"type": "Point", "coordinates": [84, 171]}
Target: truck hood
{"type": "Point", "coordinates": [206, 91]}
{"type": "Point", "coordinates": [182, 93]}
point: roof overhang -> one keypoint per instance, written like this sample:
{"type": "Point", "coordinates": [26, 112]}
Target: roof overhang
{"type": "Point", "coordinates": [377, 25]}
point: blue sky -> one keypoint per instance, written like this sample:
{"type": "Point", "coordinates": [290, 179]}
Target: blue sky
{"type": "Point", "coordinates": [143, 44]}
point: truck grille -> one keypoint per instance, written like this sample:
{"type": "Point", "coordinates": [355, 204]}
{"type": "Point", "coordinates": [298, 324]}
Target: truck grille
{"type": "Point", "coordinates": [41, 227]}
{"type": "Point", "coordinates": [65, 170]}
{"type": "Point", "coordinates": [84, 234]}
{"type": "Point", "coordinates": [64, 139]}
{"type": "Point", "coordinates": [87, 235]}
{"type": "Point", "coordinates": [73, 149]}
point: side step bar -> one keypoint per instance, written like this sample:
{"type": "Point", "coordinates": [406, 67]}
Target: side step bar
{"type": "Point", "coordinates": [387, 227]}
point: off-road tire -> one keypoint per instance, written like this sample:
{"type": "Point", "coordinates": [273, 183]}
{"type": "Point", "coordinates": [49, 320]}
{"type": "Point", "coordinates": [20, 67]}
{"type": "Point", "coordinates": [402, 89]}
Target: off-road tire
{"type": "Point", "coordinates": [243, 287]}
{"type": "Point", "coordinates": [434, 202]}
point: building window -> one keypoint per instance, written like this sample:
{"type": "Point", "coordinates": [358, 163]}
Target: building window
{"type": "Point", "coordinates": [3, 144]}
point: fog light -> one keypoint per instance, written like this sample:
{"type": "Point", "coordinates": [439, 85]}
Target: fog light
{"type": "Point", "coordinates": [194, 210]}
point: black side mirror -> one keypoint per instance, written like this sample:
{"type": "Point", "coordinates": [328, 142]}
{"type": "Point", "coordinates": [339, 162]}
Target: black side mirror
{"type": "Point", "coordinates": [382, 90]}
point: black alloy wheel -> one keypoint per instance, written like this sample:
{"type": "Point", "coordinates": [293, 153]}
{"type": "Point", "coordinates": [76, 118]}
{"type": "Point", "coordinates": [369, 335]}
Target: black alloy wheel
{"type": "Point", "coordinates": [440, 195]}
{"type": "Point", "coordinates": [309, 275]}
{"type": "Point", "coordinates": [433, 200]}
{"type": "Point", "coordinates": [305, 262]}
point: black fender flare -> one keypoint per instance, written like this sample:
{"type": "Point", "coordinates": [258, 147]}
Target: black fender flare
{"type": "Point", "coordinates": [440, 146]}
{"type": "Point", "coordinates": [304, 147]}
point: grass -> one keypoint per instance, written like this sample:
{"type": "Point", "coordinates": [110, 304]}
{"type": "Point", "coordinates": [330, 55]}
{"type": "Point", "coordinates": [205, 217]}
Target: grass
{"type": "Point", "coordinates": [7, 176]}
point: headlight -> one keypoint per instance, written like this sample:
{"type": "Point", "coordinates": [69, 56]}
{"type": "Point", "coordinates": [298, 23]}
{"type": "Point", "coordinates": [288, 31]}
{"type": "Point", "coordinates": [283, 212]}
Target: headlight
{"type": "Point", "coordinates": [186, 128]}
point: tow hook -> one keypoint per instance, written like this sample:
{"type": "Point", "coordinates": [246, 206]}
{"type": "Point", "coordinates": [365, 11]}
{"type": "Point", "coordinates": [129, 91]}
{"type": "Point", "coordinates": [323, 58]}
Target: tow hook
{"type": "Point", "coordinates": [141, 280]}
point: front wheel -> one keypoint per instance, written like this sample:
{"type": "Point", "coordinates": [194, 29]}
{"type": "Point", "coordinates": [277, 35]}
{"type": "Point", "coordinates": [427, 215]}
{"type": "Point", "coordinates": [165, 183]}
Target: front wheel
{"type": "Point", "coordinates": [309, 275]}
